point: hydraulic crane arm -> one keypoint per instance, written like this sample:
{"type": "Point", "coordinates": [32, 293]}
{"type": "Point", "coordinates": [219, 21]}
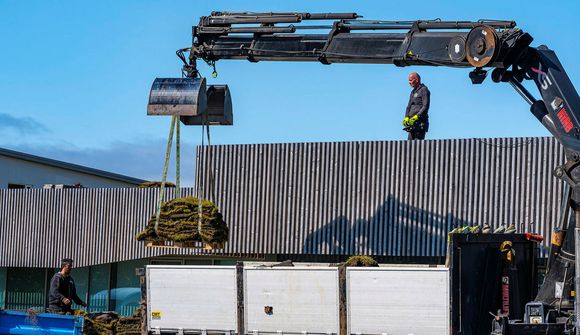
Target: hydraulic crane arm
{"type": "Point", "coordinates": [481, 44]}
{"type": "Point", "coordinates": [348, 40]}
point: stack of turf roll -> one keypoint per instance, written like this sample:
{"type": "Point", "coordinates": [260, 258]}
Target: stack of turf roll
{"type": "Point", "coordinates": [102, 323]}
{"type": "Point", "coordinates": [179, 220]}
{"type": "Point", "coordinates": [361, 261]}
{"type": "Point", "coordinates": [129, 325]}
{"type": "Point", "coordinates": [155, 184]}
{"type": "Point", "coordinates": [110, 323]}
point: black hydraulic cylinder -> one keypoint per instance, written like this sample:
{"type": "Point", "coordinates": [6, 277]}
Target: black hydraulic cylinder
{"type": "Point", "coordinates": [355, 25]}
{"type": "Point", "coordinates": [303, 16]}
{"type": "Point", "coordinates": [332, 16]}
{"type": "Point", "coordinates": [248, 30]}
{"type": "Point", "coordinates": [465, 24]}
{"type": "Point", "coordinates": [224, 20]}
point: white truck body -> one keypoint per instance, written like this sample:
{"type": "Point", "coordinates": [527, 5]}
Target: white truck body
{"type": "Point", "coordinates": [398, 300]}
{"type": "Point", "coordinates": [191, 297]}
{"type": "Point", "coordinates": [303, 300]}
{"type": "Point", "coordinates": [395, 300]}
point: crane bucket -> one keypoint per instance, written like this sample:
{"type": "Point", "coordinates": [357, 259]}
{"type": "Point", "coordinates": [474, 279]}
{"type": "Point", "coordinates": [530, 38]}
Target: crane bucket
{"type": "Point", "coordinates": [219, 108]}
{"type": "Point", "coordinates": [177, 96]}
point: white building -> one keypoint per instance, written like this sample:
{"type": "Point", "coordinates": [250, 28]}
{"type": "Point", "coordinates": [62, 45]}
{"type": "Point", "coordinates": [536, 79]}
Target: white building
{"type": "Point", "coordinates": [21, 170]}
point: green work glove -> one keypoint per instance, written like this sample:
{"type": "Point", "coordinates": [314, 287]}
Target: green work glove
{"type": "Point", "coordinates": [406, 121]}
{"type": "Point", "coordinates": [412, 120]}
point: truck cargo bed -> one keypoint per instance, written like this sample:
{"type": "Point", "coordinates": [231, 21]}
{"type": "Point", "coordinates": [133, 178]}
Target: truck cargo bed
{"type": "Point", "coordinates": [22, 323]}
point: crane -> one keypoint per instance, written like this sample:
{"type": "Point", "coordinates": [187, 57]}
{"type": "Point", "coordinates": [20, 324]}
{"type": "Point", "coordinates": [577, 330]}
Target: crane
{"type": "Point", "coordinates": [496, 47]}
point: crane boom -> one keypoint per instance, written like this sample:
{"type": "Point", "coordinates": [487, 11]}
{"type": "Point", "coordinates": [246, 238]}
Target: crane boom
{"type": "Point", "coordinates": [348, 40]}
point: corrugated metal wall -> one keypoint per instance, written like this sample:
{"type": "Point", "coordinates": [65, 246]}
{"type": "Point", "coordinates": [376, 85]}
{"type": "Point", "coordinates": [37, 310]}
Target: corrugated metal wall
{"type": "Point", "coordinates": [395, 198]}
{"type": "Point", "coordinates": [93, 226]}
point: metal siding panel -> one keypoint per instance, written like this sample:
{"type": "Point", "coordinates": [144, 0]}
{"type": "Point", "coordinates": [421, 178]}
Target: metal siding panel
{"type": "Point", "coordinates": [397, 175]}
{"type": "Point", "coordinates": [396, 198]}
{"type": "Point", "coordinates": [382, 190]}
{"type": "Point", "coordinates": [376, 205]}
{"type": "Point", "coordinates": [436, 212]}
{"type": "Point", "coordinates": [337, 228]}
{"type": "Point", "coordinates": [261, 209]}
{"type": "Point", "coordinates": [430, 232]}
{"type": "Point", "coordinates": [323, 204]}
{"type": "Point", "coordinates": [274, 193]}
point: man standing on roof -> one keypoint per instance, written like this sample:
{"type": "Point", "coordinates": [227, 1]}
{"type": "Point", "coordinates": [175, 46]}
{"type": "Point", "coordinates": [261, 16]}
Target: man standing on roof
{"type": "Point", "coordinates": [63, 290]}
{"type": "Point", "coordinates": [416, 121]}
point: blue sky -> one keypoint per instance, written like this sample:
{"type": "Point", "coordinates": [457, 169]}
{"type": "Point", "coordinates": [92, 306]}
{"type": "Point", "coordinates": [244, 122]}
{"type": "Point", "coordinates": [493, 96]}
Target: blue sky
{"type": "Point", "coordinates": [75, 78]}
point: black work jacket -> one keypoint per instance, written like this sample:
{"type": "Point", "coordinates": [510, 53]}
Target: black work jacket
{"type": "Point", "coordinates": [62, 287]}
{"type": "Point", "coordinates": [419, 103]}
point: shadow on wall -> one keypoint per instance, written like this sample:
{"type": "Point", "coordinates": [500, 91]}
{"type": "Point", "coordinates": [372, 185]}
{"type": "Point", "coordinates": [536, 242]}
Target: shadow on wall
{"type": "Point", "coordinates": [394, 229]}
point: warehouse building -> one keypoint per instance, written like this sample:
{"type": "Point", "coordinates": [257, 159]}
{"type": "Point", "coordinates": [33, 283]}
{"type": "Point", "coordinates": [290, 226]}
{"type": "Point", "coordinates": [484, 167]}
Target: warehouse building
{"type": "Point", "coordinates": [394, 200]}
{"type": "Point", "coordinates": [21, 170]}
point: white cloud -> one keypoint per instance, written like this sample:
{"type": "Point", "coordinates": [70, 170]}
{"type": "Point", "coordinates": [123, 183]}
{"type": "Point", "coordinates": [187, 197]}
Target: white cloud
{"type": "Point", "coordinates": [22, 125]}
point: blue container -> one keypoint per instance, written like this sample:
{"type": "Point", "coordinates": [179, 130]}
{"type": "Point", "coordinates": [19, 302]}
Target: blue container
{"type": "Point", "coordinates": [21, 323]}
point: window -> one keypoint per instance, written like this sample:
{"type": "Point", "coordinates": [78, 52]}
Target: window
{"type": "Point", "coordinates": [226, 262]}
{"type": "Point", "coordinates": [25, 288]}
{"type": "Point", "coordinates": [198, 262]}
{"type": "Point", "coordinates": [162, 261]}
{"type": "Point", "coordinates": [126, 295]}
{"type": "Point", "coordinates": [2, 287]}
{"type": "Point", "coordinates": [16, 186]}
{"type": "Point", "coordinates": [192, 261]}
{"type": "Point", "coordinates": [99, 288]}
{"type": "Point", "coordinates": [81, 277]}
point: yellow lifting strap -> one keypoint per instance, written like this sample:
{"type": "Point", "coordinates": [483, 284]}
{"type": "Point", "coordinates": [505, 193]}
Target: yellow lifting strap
{"type": "Point", "coordinates": [174, 124]}
{"type": "Point", "coordinates": [203, 167]}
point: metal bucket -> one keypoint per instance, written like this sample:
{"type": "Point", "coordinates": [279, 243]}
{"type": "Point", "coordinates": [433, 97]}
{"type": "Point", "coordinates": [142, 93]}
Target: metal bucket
{"type": "Point", "coordinates": [219, 108]}
{"type": "Point", "coordinates": [177, 96]}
